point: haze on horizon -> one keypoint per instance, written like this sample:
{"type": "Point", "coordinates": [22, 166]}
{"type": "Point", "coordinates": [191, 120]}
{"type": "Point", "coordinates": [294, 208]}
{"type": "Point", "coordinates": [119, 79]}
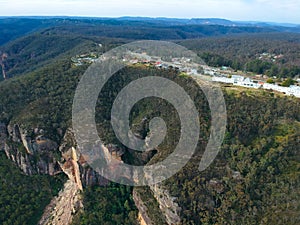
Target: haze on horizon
{"type": "Point", "coordinates": [282, 11]}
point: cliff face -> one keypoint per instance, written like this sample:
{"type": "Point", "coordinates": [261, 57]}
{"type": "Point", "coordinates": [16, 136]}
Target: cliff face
{"type": "Point", "coordinates": [167, 204]}
{"type": "Point", "coordinates": [37, 154]}
{"type": "Point", "coordinates": [62, 208]}
{"type": "Point", "coordinates": [3, 135]}
{"type": "Point", "coordinates": [143, 211]}
{"type": "Point", "coordinates": [33, 154]}
{"type": "Point", "coordinates": [71, 167]}
{"type": "Point", "coordinates": [156, 206]}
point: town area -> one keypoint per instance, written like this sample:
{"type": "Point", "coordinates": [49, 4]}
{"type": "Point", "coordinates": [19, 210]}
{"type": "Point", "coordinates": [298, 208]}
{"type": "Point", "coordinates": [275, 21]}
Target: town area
{"type": "Point", "coordinates": [188, 67]}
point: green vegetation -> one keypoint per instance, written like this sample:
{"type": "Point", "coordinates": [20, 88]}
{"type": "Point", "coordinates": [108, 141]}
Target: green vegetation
{"type": "Point", "coordinates": [110, 205]}
{"type": "Point", "coordinates": [27, 99]}
{"type": "Point", "coordinates": [23, 198]}
{"type": "Point", "coordinates": [254, 180]}
{"type": "Point", "coordinates": [153, 210]}
{"type": "Point", "coordinates": [258, 157]}
{"type": "Point", "coordinates": [258, 147]}
{"type": "Point", "coordinates": [38, 50]}
{"type": "Point", "coordinates": [21, 27]}
{"type": "Point", "coordinates": [243, 53]}
{"type": "Point", "coordinates": [270, 81]}
{"type": "Point", "coordinates": [288, 82]}
{"type": "Point", "coordinates": [54, 39]}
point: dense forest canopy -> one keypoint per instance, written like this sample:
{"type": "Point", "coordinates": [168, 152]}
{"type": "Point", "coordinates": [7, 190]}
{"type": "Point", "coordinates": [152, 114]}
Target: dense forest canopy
{"type": "Point", "coordinates": [245, 52]}
{"type": "Point", "coordinates": [238, 47]}
{"type": "Point", "coordinates": [261, 146]}
{"type": "Point", "coordinates": [23, 198]}
{"type": "Point", "coordinates": [255, 178]}
{"type": "Point", "coordinates": [140, 27]}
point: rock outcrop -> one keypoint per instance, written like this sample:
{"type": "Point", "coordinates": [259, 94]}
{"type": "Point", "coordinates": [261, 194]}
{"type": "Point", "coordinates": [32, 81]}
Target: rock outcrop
{"type": "Point", "coordinates": [63, 207]}
{"type": "Point", "coordinates": [3, 58]}
{"type": "Point", "coordinates": [3, 136]}
{"type": "Point", "coordinates": [141, 206]}
{"type": "Point", "coordinates": [167, 204]}
{"type": "Point", "coordinates": [33, 154]}
{"type": "Point", "coordinates": [36, 154]}
{"type": "Point", "coordinates": [84, 173]}
{"type": "Point", "coordinates": [71, 167]}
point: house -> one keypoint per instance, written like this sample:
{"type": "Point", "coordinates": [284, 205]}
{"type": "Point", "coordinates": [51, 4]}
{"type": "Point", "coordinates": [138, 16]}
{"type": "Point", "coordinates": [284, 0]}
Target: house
{"type": "Point", "coordinates": [209, 72]}
{"type": "Point", "coordinates": [237, 78]}
{"type": "Point", "coordinates": [223, 80]}
{"type": "Point", "coordinates": [246, 82]}
{"type": "Point", "coordinates": [295, 90]}
{"type": "Point", "coordinates": [193, 72]}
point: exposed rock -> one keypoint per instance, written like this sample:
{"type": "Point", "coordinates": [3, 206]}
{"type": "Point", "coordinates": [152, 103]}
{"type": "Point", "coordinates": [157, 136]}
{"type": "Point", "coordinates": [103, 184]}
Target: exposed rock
{"type": "Point", "coordinates": [112, 154]}
{"type": "Point", "coordinates": [22, 160]}
{"type": "Point", "coordinates": [141, 219]}
{"type": "Point", "coordinates": [33, 155]}
{"type": "Point", "coordinates": [62, 208]}
{"type": "Point", "coordinates": [3, 58]}
{"type": "Point", "coordinates": [87, 175]}
{"type": "Point", "coordinates": [216, 185]}
{"type": "Point", "coordinates": [143, 216]}
{"type": "Point", "coordinates": [68, 141]}
{"type": "Point", "coordinates": [167, 204]}
{"type": "Point", "coordinates": [71, 167]}
{"type": "Point", "coordinates": [90, 177]}
{"type": "Point", "coordinates": [37, 144]}
{"type": "Point", "coordinates": [236, 175]}
{"type": "Point", "coordinates": [14, 132]}
{"type": "Point", "coordinates": [115, 151]}
{"type": "Point", "coordinates": [3, 136]}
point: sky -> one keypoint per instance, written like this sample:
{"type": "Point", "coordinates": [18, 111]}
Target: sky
{"type": "Point", "coordinates": [283, 11]}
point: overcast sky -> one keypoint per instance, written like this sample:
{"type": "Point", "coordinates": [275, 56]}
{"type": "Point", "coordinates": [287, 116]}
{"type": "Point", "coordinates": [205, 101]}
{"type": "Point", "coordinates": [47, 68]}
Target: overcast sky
{"type": "Point", "coordinates": [254, 10]}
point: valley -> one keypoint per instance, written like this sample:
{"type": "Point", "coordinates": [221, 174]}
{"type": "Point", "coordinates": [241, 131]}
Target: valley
{"type": "Point", "coordinates": [45, 179]}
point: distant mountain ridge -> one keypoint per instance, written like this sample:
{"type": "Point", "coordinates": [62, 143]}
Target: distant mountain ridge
{"type": "Point", "coordinates": [14, 27]}
{"type": "Point", "coordinates": [29, 43]}
{"type": "Point", "coordinates": [214, 21]}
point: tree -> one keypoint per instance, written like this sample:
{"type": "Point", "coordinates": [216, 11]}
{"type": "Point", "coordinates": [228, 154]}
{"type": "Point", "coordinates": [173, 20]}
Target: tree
{"type": "Point", "coordinates": [288, 82]}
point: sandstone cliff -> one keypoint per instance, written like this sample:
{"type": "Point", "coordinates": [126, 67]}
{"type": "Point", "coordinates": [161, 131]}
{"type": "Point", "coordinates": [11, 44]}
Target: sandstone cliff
{"type": "Point", "coordinates": [167, 204]}
{"type": "Point", "coordinates": [34, 153]}
{"type": "Point", "coordinates": [62, 208]}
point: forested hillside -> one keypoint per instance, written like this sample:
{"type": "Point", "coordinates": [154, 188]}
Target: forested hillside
{"type": "Point", "coordinates": [255, 178]}
{"type": "Point", "coordinates": [274, 54]}
{"type": "Point", "coordinates": [21, 27]}
{"type": "Point", "coordinates": [40, 49]}
{"type": "Point", "coordinates": [23, 198]}
{"type": "Point", "coordinates": [245, 53]}
{"type": "Point", "coordinates": [126, 27]}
